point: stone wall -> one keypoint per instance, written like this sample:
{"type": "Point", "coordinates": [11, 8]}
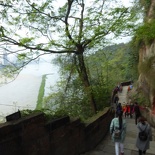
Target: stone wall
{"type": "Point", "coordinates": [33, 135]}
{"type": "Point", "coordinates": [147, 52]}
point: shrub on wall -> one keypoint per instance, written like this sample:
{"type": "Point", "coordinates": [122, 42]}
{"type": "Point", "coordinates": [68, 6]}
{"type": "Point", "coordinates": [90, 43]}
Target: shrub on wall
{"type": "Point", "coordinates": [146, 33]}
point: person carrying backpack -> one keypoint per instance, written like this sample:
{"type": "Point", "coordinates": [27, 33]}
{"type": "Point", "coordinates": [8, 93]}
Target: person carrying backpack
{"type": "Point", "coordinates": [144, 136]}
{"type": "Point", "coordinates": [118, 132]}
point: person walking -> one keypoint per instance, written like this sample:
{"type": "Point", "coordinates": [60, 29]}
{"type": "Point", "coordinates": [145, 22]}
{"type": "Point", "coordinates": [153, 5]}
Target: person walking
{"type": "Point", "coordinates": [143, 144]}
{"type": "Point", "coordinates": [120, 88]}
{"type": "Point", "coordinates": [118, 132]}
{"type": "Point", "coordinates": [124, 108]}
{"type": "Point", "coordinates": [131, 110]}
{"type": "Point", "coordinates": [119, 108]}
{"type": "Point", "coordinates": [116, 99]}
{"type": "Point", "coordinates": [137, 112]}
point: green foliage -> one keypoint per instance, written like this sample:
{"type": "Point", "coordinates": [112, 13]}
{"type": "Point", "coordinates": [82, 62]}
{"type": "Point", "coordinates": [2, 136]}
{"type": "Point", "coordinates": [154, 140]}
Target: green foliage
{"type": "Point", "coordinates": [133, 60]}
{"type": "Point", "coordinates": [25, 41]}
{"type": "Point", "coordinates": [10, 72]}
{"type": "Point", "coordinates": [43, 21]}
{"type": "Point", "coordinates": [111, 64]}
{"type": "Point", "coordinates": [146, 33]}
{"type": "Point", "coordinates": [81, 110]}
{"type": "Point", "coordinates": [49, 114]}
{"type": "Point", "coordinates": [77, 31]}
{"type": "Point", "coordinates": [106, 69]}
{"type": "Point", "coordinates": [73, 104]}
{"type": "Point", "coordinates": [73, 101]}
{"type": "Point", "coordinates": [73, 107]}
{"type": "Point", "coordinates": [145, 4]}
{"type": "Point", "coordinates": [22, 56]}
{"type": "Point", "coordinates": [102, 96]}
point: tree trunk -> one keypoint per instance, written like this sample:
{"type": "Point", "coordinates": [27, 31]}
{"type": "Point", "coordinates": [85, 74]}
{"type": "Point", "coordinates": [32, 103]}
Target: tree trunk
{"type": "Point", "coordinates": [84, 77]}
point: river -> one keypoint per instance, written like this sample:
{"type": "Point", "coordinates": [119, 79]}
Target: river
{"type": "Point", "coordinates": [22, 93]}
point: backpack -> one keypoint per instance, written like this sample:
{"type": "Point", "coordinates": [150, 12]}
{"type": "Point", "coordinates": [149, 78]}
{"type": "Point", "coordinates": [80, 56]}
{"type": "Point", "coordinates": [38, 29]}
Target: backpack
{"type": "Point", "coordinates": [143, 135]}
{"type": "Point", "coordinates": [117, 134]}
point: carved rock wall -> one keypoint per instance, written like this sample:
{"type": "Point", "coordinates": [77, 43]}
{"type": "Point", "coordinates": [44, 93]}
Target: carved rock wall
{"type": "Point", "coordinates": [147, 51]}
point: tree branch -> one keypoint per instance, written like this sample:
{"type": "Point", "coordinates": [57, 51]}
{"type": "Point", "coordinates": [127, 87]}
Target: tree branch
{"type": "Point", "coordinates": [66, 21]}
{"type": "Point", "coordinates": [14, 42]}
{"type": "Point", "coordinates": [81, 23]}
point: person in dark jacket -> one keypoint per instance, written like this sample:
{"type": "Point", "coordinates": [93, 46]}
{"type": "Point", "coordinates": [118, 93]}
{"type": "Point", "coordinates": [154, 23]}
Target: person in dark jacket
{"type": "Point", "coordinates": [137, 112]}
{"type": "Point", "coordinates": [119, 108]}
{"type": "Point", "coordinates": [116, 99]}
{"type": "Point", "coordinates": [143, 145]}
{"type": "Point", "coordinates": [131, 109]}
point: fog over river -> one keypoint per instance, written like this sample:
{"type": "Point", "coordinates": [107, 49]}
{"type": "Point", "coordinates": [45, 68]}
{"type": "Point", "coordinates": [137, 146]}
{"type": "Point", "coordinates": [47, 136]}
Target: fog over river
{"type": "Point", "coordinates": [23, 92]}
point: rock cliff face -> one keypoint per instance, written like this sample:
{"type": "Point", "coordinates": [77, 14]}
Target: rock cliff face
{"type": "Point", "coordinates": [146, 81]}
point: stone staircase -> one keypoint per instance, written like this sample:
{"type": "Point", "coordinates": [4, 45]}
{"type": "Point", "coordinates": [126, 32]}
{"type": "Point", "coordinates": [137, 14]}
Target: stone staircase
{"type": "Point", "coordinates": [106, 147]}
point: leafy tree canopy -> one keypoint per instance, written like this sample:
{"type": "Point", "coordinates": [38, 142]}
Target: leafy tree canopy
{"type": "Point", "coordinates": [31, 28]}
{"type": "Point", "coordinates": [53, 27]}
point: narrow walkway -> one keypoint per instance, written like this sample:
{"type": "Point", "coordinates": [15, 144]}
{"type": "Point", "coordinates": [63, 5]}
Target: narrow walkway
{"type": "Point", "coordinates": [106, 147]}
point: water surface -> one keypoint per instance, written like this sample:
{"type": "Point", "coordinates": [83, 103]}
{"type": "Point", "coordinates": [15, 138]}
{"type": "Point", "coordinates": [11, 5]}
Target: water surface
{"type": "Point", "coordinates": [23, 92]}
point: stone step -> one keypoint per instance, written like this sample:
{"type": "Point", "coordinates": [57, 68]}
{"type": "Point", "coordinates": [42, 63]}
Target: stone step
{"type": "Point", "coordinates": [106, 147]}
